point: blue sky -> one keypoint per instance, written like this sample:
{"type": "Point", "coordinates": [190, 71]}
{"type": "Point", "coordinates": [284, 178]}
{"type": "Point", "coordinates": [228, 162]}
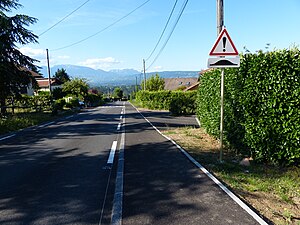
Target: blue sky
{"type": "Point", "coordinates": [250, 23]}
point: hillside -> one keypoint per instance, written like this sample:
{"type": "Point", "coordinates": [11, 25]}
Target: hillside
{"type": "Point", "coordinates": [113, 77]}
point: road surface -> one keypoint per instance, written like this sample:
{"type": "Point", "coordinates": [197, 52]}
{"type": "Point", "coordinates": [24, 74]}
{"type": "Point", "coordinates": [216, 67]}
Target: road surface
{"type": "Point", "coordinates": [108, 165]}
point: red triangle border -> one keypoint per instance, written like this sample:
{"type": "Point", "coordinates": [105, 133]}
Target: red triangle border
{"type": "Point", "coordinates": [212, 53]}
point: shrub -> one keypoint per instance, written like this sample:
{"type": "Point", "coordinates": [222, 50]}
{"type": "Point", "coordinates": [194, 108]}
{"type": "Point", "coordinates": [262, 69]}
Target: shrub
{"type": "Point", "coordinates": [183, 103]}
{"type": "Point", "coordinates": [261, 105]}
{"type": "Point", "coordinates": [178, 102]}
{"type": "Point", "coordinates": [59, 104]}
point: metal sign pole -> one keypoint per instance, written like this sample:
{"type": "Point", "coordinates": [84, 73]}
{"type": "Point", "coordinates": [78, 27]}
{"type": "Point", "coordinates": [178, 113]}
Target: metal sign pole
{"type": "Point", "coordinates": [222, 115]}
{"type": "Point", "coordinates": [220, 24]}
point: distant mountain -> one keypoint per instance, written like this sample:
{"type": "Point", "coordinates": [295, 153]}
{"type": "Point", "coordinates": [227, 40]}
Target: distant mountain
{"type": "Point", "coordinates": [113, 77]}
{"type": "Point", "coordinates": [125, 71]}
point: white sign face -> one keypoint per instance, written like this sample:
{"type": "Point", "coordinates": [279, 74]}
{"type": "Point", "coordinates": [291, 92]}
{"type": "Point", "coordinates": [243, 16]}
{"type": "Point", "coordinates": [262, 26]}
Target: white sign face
{"type": "Point", "coordinates": [223, 62]}
{"type": "Point", "coordinates": [223, 45]}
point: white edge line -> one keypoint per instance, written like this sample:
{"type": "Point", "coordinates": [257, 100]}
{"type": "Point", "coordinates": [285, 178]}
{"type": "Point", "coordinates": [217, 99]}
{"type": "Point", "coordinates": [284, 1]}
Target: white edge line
{"type": "Point", "coordinates": [4, 138]}
{"type": "Point", "coordinates": [117, 209]}
{"type": "Point", "coordinates": [112, 152]}
{"type": "Point", "coordinates": [213, 178]}
{"type": "Point", "coordinates": [198, 121]}
{"type": "Point", "coordinates": [69, 117]}
{"type": "Point", "coordinates": [47, 124]}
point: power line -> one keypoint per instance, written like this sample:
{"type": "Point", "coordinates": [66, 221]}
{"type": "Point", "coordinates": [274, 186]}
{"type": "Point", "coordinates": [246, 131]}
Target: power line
{"type": "Point", "coordinates": [64, 18]}
{"type": "Point", "coordinates": [176, 22]}
{"type": "Point", "coordinates": [102, 30]}
{"type": "Point", "coordinates": [163, 32]}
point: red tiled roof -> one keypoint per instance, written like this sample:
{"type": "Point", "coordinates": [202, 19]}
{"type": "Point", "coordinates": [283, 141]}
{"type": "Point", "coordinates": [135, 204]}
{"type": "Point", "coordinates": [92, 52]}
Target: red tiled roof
{"type": "Point", "coordinates": [175, 83]}
{"type": "Point", "coordinates": [44, 82]}
{"type": "Point", "coordinates": [193, 87]}
{"type": "Point", "coordinates": [34, 74]}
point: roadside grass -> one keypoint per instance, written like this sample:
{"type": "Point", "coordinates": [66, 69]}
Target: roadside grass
{"type": "Point", "coordinates": [137, 104]}
{"type": "Point", "coordinates": [272, 190]}
{"type": "Point", "coordinates": [20, 120]}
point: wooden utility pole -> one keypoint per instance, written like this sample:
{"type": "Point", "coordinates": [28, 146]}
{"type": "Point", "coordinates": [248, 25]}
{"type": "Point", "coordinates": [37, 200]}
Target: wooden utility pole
{"type": "Point", "coordinates": [220, 25]}
{"type": "Point", "coordinates": [49, 75]}
{"type": "Point", "coordinates": [144, 65]}
{"type": "Point", "coordinates": [220, 16]}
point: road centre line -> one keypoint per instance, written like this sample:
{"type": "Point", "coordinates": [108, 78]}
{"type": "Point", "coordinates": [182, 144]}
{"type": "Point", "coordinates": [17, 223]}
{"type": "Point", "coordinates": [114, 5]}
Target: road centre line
{"type": "Point", "coordinates": [119, 126]}
{"type": "Point", "coordinates": [212, 177]}
{"type": "Point", "coordinates": [112, 153]}
{"type": "Point", "coordinates": [117, 210]}
{"type": "Point", "coordinates": [121, 117]}
{"type": "Point", "coordinates": [1, 139]}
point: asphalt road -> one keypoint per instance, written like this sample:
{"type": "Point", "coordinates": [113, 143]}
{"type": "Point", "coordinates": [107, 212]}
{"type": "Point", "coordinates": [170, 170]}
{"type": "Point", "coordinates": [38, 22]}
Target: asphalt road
{"type": "Point", "coordinates": [58, 173]}
{"type": "Point", "coordinates": [161, 186]}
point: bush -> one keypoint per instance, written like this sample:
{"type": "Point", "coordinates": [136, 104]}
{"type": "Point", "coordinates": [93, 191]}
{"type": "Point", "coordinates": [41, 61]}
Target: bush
{"type": "Point", "coordinates": [59, 104]}
{"type": "Point", "coordinates": [262, 105]}
{"type": "Point", "coordinates": [73, 103]}
{"type": "Point", "coordinates": [183, 103]}
{"type": "Point", "coordinates": [178, 102]}
{"type": "Point", "coordinates": [154, 99]}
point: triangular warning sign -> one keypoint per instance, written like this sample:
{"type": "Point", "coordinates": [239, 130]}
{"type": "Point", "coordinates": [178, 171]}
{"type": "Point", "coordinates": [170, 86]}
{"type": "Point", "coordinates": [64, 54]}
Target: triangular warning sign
{"type": "Point", "coordinates": [224, 45]}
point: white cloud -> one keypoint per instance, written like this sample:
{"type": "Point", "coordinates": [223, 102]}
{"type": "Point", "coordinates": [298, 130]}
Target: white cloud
{"type": "Point", "coordinates": [63, 57]}
{"type": "Point", "coordinates": [100, 63]}
{"type": "Point", "coordinates": [39, 54]}
{"type": "Point", "coordinates": [157, 68]}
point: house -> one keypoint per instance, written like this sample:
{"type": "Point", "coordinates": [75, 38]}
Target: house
{"type": "Point", "coordinates": [193, 87]}
{"type": "Point", "coordinates": [173, 84]}
{"type": "Point", "coordinates": [196, 85]}
{"type": "Point", "coordinates": [29, 90]}
{"type": "Point", "coordinates": [44, 83]}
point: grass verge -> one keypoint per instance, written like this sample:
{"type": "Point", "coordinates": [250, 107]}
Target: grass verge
{"type": "Point", "coordinates": [19, 121]}
{"type": "Point", "coordinates": [273, 191]}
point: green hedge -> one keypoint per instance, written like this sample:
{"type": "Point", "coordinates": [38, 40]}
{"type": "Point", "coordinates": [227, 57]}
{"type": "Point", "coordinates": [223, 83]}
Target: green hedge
{"type": "Point", "coordinates": [262, 107]}
{"type": "Point", "coordinates": [154, 99]}
{"type": "Point", "coordinates": [183, 103]}
{"type": "Point", "coordinates": [178, 102]}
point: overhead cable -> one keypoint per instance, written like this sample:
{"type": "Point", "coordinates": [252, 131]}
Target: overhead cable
{"type": "Point", "coordinates": [163, 32]}
{"type": "Point", "coordinates": [102, 30]}
{"type": "Point", "coordinates": [64, 18]}
{"type": "Point", "coordinates": [164, 45]}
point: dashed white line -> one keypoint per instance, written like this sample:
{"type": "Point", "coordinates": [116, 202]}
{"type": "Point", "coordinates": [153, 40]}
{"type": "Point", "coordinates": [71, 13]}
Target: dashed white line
{"type": "Point", "coordinates": [119, 126]}
{"type": "Point", "coordinates": [117, 210]}
{"type": "Point", "coordinates": [1, 139]}
{"type": "Point", "coordinates": [121, 117]}
{"type": "Point", "coordinates": [112, 152]}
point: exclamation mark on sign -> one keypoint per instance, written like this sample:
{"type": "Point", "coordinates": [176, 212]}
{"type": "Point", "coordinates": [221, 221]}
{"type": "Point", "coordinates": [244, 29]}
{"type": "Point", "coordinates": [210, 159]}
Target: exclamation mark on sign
{"type": "Point", "coordinates": [224, 44]}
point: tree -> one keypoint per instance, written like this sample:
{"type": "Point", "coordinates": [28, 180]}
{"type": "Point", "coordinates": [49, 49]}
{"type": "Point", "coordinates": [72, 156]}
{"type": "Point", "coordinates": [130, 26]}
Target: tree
{"type": "Point", "coordinates": [154, 83]}
{"type": "Point", "coordinates": [62, 75]}
{"type": "Point", "coordinates": [77, 87]}
{"type": "Point", "coordinates": [118, 93]}
{"type": "Point", "coordinates": [14, 66]}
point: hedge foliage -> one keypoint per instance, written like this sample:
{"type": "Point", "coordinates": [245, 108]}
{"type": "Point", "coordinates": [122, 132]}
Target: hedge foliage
{"type": "Point", "coordinates": [178, 102]}
{"type": "Point", "coordinates": [38, 103]}
{"type": "Point", "coordinates": [262, 106]}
